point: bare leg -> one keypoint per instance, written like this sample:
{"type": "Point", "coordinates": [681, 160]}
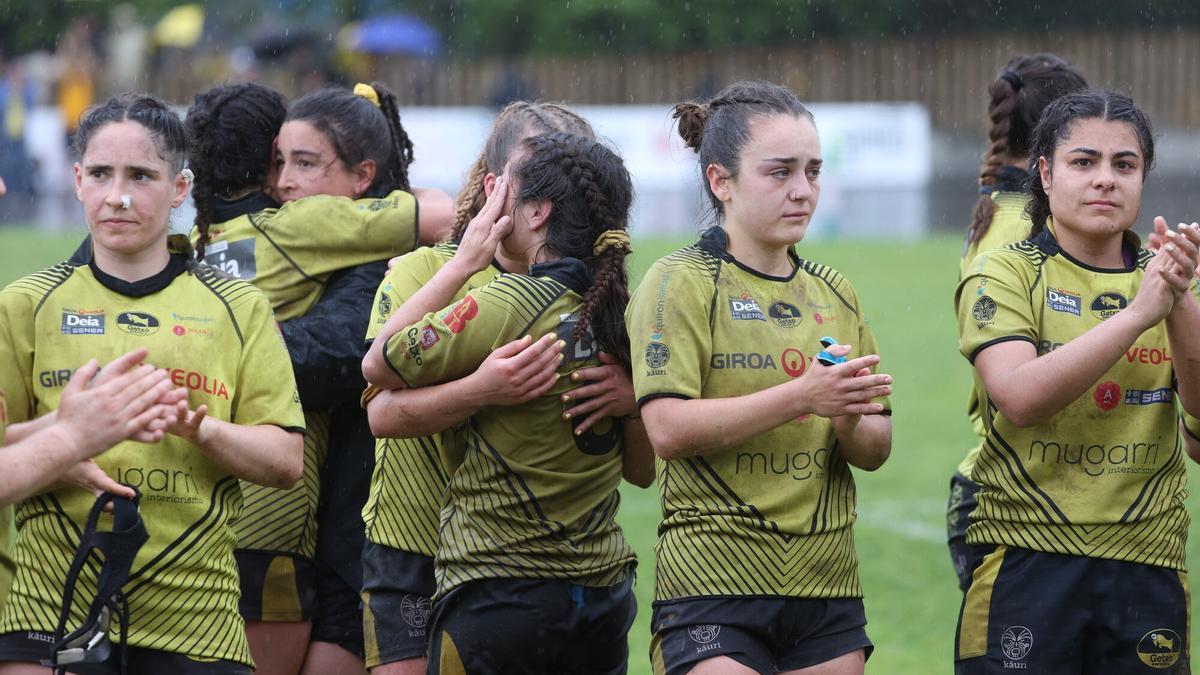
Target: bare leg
{"type": "Point", "coordinates": [846, 664]}
{"type": "Point", "coordinates": [277, 646]}
{"type": "Point", "coordinates": [405, 667]}
{"type": "Point", "coordinates": [721, 665]}
{"type": "Point", "coordinates": [326, 658]}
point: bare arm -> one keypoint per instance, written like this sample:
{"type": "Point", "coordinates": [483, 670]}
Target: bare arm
{"type": "Point", "coordinates": [1183, 321]}
{"type": "Point", "coordinates": [512, 374]}
{"type": "Point", "coordinates": [865, 441]}
{"type": "Point", "coordinates": [435, 209]}
{"type": "Point", "coordinates": [262, 453]}
{"type": "Point", "coordinates": [685, 428]}
{"type": "Point", "coordinates": [637, 461]}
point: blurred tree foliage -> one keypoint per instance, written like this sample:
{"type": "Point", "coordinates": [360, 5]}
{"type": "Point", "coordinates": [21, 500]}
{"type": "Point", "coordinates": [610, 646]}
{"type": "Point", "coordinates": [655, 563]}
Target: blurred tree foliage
{"type": "Point", "coordinates": [580, 27]}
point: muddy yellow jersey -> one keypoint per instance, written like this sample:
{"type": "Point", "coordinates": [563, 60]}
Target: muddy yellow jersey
{"type": "Point", "coordinates": [530, 499]}
{"type": "Point", "coordinates": [216, 337]}
{"type": "Point", "coordinates": [1010, 224]}
{"type": "Point", "coordinates": [411, 474]}
{"type": "Point", "coordinates": [772, 516]}
{"type": "Point", "coordinates": [290, 252]}
{"type": "Point", "coordinates": [1104, 477]}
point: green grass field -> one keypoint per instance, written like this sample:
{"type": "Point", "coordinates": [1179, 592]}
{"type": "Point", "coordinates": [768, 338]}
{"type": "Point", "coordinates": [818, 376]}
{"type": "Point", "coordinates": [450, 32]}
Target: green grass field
{"type": "Point", "coordinates": [911, 595]}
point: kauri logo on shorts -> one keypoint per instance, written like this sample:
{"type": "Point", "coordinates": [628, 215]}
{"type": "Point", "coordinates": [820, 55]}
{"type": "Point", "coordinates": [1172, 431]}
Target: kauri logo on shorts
{"type": "Point", "coordinates": [415, 610]}
{"type": "Point", "coordinates": [704, 633]}
{"type": "Point", "coordinates": [137, 323]}
{"type": "Point", "coordinates": [1016, 642]}
{"type": "Point", "coordinates": [1160, 648]}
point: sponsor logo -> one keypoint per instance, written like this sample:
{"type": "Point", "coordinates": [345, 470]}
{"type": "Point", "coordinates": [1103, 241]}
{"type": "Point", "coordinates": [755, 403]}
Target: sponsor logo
{"type": "Point", "coordinates": [82, 322]}
{"type": "Point", "coordinates": [1107, 395]}
{"type": "Point", "coordinates": [794, 362]}
{"type": "Point", "coordinates": [235, 258]}
{"type": "Point", "coordinates": [415, 610]}
{"type": "Point", "coordinates": [984, 309]}
{"type": "Point", "coordinates": [429, 337]}
{"type": "Point", "coordinates": [822, 318]}
{"type": "Point", "coordinates": [137, 323]}
{"type": "Point", "coordinates": [413, 336]}
{"type": "Point", "coordinates": [1015, 643]}
{"type": "Point", "coordinates": [1107, 304]}
{"type": "Point", "coordinates": [54, 378]}
{"type": "Point", "coordinates": [39, 637]}
{"type": "Point", "coordinates": [170, 485]}
{"type": "Point", "coordinates": [1046, 346]}
{"type": "Point", "coordinates": [785, 314]}
{"type": "Point", "coordinates": [384, 306]}
{"type": "Point", "coordinates": [704, 633]}
{"type": "Point", "coordinates": [1149, 396]}
{"type": "Point", "coordinates": [1097, 459]}
{"type": "Point", "coordinates": [1160, 648]}
{"type": "Point", "coordinates": [1064, 301]}
{"type": "Point", "coordinates": [575, 350]}
{"type": "Point", "coordinates": [660, 309]}
{"type": "Point", "coordinates": [745, 308]}
{"type": "Point", "coordinates": [456, 317]}
{"type": "Point", "coordinates": [179, 330]}
{"type": "Point", "coordinates": [199, 382]}
{"type": "Point", "coordinates": [657, 356]}
{"type": "Point", "coordinates": [1150, 355]}
{"type": "Point", "coordinates": [191, 318]}
{"type": "Point", "coordinates": [754, 361]}
{"type": "Point", "coordinates": [798, 465]}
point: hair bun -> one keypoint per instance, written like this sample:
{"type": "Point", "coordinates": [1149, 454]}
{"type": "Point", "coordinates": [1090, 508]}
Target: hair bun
{"type": "Point", "coordinates": [692, 117]}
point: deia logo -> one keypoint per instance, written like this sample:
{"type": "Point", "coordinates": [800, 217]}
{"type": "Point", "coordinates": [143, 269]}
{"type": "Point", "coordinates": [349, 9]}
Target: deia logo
{"type": "Point", "coordinates": [1016, 643]}
{"type": "Point", "coordinates": [784, 314]}
{"type": "Point", "coordinates": [1064, 301]}
{"type": "Point", "coordinates": [83, 322]}
{"type": "Point", "coordinates": [1107, 304]}
{"type": "Point", "coordinates": [1160, 648]}
{"type": "Point", "coordinates": [745, 308]}
{"type": "Point", "coordinates": [137, 323]}
{"type": "Point", "coordinates": [234, 258]}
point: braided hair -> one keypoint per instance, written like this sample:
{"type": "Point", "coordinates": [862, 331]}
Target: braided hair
{"type": "Point", "coordinates": [230, 132]}
{"type": "Point", "coordinates": [517, 120]}
{"type": "Point", "coordinates": [1018, 95]}
{"type": "Point", "coordinates": [151, 112]}
{"type": "Point", "coordinates": [718, 129]}
{"type": "Point", "coordinates": [590, 192]}
{"type": "Point", "coordinates": [354, 127]}
{"type": "Point", "coordinates": [1055, 126]}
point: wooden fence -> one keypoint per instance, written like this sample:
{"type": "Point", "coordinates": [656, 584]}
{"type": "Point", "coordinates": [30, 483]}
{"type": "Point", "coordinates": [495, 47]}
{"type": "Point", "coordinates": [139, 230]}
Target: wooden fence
{"type": "Point", "coordinates": [1161, 69]}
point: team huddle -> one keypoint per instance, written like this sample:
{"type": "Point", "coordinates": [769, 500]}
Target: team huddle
{"type": "Point", "coordinates": [353, 424]}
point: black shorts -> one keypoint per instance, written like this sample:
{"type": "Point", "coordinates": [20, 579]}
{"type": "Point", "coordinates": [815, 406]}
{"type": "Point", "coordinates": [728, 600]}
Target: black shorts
{"type": "Point", "coordinates": [768, 634]}
{"type": "Point", "coordinates": [341, 535]}
{"type": "Point", "coordinates": [513, 626]}
{"type": "Point", "coordinates": [965, 557]}
{"type": "Point", "coordinates": [1049, 613]}
{"type": "Point", "coordinates": [33, 646]}
{"type": "Point", "coordinates": [397, 597]}
{"type": "Point", "coordinates": [276, 586]}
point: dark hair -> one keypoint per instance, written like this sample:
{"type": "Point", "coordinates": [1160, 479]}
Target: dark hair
{"type": "Point", "coordinates": [517, 120]}
{"type": "Point", "coordinates": [149, 111]}
{"type": "Point", "coordinates": [356, 129]}
{"type": "Point", "coordinates": [230, 132]}
{"type": "Point", "coordinates": [590, 192]}
{"type": "Point", "coordinates": [720, 128]}
{"type": "Point", "coordinates": [1017, 97]}
{"type": "Point", "coordinates": [1055, 127]}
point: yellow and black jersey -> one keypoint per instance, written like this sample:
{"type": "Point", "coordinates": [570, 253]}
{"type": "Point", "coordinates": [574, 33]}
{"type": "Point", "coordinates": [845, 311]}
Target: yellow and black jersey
{"type": "Point", "coordinates": [216, 337]}
{"type": "Point", "coordinates": [411, 474]}
{"type": "Point", "coordinates": [531, 499]}
{"type": "Point", "coordinates": [7, 566]}
{"type": "Point", "coordinates": [1104, 477]}
{"type": "Point", "coordinates": [1010, 224]}
{"type": "Point", "coordinates": [772, 516]}
{"type": "Point", "coordinates": [290, 251]}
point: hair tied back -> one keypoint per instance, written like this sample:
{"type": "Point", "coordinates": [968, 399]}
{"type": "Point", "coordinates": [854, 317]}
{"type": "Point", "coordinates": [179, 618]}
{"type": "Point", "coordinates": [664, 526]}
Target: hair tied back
{"type": "Point", "coordinates": [692, 117]}
{"type": "Point", "coordinates": [612, 239]}
{"type": "Point", "coordinates": [1013, 78]}
{"type": "Point", "coordinates": [368, 92]}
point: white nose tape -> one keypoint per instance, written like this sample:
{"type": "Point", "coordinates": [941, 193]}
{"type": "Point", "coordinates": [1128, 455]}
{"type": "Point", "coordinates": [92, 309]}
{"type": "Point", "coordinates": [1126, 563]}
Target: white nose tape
{"type": "Point", "coordinates": [126, 201]}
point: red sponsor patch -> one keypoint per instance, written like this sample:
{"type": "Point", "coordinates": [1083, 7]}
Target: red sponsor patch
{"type": "Point", "coordinates": [179, 330]}
{"type": "Point", "coordinates": [429, 337]}
{"type": "Point", "coordinates": [794, 362]}
{"type": "Point", "coordinates": [1107, 395]}
{"type": "Point", "coordinates": [818, 318]}
{"type": "Point", "coordinates": [456, 317]}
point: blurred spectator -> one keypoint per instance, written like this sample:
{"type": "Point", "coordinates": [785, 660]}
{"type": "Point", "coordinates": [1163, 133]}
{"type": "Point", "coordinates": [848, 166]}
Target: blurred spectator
{"type": "Point", "coordinates": [16, 105]}
{"type": "Point", "coordinates": [77, 78]}
{"type": "Point", "coordinates": [126, 50]}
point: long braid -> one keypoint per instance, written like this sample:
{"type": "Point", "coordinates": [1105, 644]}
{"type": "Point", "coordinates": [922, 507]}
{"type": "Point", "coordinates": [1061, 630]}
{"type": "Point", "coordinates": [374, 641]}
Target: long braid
{"type": "Point", "coordinates": [470, 199]}
{"type": "Point", "coordinates": [402, 146]}
{"type": "Point", "coordinates": [1003, 102]}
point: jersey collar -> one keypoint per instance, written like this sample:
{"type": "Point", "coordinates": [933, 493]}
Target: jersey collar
{"type": "Point", "coordinates": [225, 210]}
{"type": "Point", "coordinates": [716, 242]}
{"type": "Point", "coordinates": [1010, 179]}
{"type": "Point", "coordinates": [570, 272]}
{"type": "Point", "coordinates": [176, 265]}
{"type": "Point", "coordinates": [1130, 243]}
